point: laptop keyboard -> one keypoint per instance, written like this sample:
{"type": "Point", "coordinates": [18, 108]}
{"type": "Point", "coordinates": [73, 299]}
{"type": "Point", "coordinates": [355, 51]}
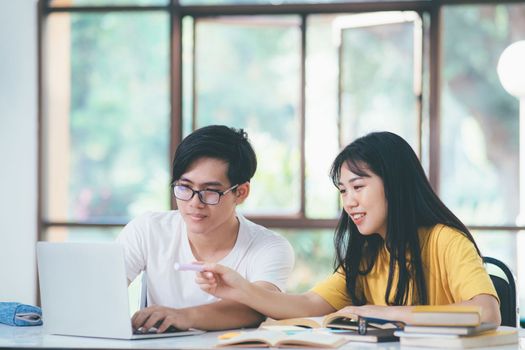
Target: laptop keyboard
{"type": "Point", "coordinates": [153, 330]}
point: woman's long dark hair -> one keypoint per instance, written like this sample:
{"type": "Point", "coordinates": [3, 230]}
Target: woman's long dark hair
{"type": "Point", "coordinates": [411, 204]}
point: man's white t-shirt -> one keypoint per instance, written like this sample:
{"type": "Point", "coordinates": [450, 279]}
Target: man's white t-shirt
{"type": "Point", "coordinates": [155, 241]}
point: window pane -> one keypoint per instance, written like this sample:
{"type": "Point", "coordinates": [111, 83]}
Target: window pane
{"type": "Point", "coordinates": [248, 76]}
{"type": "Point", "coordinates": [106, 2]}
{"type": "Point", "coordinates": [322, 143]}
{"type": "Point", "coordinates": [314, 257]}
{"type": "Point", "coordinates": [187, 74]}
{"type": "Point", "coordinates": [379, 67]}
{"type": "Point", "coordinates": [480, 137]}
{"type": "Point", "coordinates": [106, 125]}
{"type": "Point", "coordinates": [379, 57]}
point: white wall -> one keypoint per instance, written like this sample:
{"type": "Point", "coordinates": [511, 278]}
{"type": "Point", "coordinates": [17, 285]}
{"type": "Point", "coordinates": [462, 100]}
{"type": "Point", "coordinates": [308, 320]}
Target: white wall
{"type": "Point", "coordinates": [18, 150]}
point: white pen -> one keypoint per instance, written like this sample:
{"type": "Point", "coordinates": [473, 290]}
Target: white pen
{"type": "Point", "coordinates": [188, 267]}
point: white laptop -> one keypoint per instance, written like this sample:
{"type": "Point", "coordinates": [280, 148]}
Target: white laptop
{"type": "Point", "coordinates": [83, 291]}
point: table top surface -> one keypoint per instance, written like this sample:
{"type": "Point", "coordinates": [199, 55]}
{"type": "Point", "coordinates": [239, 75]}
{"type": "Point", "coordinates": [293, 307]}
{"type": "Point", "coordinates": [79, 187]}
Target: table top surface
{"type": "Point", "coordinates": [36, 338]}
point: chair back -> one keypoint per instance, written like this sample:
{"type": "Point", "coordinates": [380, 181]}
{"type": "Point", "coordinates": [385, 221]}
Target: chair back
{"type": "Point", "coordinates": [505, 286]}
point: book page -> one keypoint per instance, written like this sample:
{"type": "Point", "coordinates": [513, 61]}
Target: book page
{"type": "Point", "coordinates": [308, 322]}
{"type": "Point", "coordinates": [340, 318]}
{"type": "Point", "coordinates": [282, 328]}
{"type": "Point", "coordinates": [252, 338]}
{"type": "Point", "coordinates": [314, 339]}
{"type": "Point", "coordinates": [258, 338]}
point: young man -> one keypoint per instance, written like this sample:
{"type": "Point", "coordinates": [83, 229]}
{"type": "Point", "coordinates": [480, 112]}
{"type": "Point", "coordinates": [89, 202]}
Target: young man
{"type": "Point", "coordinates": [211, 175]}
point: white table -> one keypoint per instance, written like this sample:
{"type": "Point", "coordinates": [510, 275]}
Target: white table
{"type": "Point", "coordinates": [35, 338]}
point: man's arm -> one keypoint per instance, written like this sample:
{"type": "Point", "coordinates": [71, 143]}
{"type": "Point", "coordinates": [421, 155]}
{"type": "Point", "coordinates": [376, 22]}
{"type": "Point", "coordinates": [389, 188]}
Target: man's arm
{"type": "Point", "coordinates": [223, 314]}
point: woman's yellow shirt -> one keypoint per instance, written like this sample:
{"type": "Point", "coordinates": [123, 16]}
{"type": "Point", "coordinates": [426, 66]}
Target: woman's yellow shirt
{"type": "Point", "coordinates": [454, 272]}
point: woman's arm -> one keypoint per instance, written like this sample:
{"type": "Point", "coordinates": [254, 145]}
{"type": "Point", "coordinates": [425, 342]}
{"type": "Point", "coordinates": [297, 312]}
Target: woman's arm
{"type": "Point", "coordinates": [489, 307]}
{"type": "Point", "coordinates": [489, 310]}
{"type": "Point", "coordinates": [226, 283]}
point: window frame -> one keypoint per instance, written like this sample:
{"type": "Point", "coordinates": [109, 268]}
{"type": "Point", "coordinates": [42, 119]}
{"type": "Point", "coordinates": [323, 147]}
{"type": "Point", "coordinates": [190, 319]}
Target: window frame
{"type": "Point", "coordinates": [177, 12]}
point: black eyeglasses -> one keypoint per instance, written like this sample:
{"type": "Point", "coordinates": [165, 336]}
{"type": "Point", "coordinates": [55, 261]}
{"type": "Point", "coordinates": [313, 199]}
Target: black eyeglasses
{"type": "Point", "coordinates": [211, 197]}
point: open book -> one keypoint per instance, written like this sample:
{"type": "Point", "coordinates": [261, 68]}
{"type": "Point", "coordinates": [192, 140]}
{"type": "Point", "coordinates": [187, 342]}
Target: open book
{"type": "Point", "coordinates": [338, 320]}
{"type": "Point", "coordinates": [378, 330]}
{"type": "Point", "coordinates": [266, 338]}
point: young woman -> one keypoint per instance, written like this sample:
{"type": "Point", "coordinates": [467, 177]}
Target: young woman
{"type": "Point", "coordinates": [396, 244]}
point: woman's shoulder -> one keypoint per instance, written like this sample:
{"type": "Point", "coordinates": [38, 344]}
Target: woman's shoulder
{"type": "Point", "coordinates": [441, 235]}
{"type": "Point", "coordinates": [440, 229]}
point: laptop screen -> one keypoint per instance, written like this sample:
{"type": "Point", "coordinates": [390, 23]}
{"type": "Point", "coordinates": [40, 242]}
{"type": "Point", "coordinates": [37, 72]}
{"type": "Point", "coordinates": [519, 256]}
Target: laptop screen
{"type": "Point", "coordinates": [83, 289]}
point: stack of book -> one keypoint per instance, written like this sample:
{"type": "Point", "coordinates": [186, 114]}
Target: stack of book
{"type": "Point", "coordinates": [453, 326]}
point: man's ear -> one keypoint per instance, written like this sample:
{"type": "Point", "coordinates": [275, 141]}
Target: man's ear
{"type": "Point", "coordinates": [242, 192]}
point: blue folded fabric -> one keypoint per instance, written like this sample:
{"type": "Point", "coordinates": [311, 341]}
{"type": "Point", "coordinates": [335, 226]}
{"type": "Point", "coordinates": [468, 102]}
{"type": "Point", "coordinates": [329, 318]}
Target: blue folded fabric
{"type": "Point", "coordinates": [16, 314]}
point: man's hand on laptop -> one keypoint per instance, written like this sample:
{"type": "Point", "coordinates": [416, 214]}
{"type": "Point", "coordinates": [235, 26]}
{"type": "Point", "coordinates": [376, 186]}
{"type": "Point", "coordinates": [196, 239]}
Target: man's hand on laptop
{"type": "Point", "coordinates": [161, 318]}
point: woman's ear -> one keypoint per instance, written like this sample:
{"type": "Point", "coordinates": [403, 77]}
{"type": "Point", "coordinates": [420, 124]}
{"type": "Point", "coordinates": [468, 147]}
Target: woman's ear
{"type": "Point", "coordinates": [242, 192]}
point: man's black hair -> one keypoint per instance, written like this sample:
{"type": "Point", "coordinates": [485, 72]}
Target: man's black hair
{"type": "Point", "coordinates": [220, 142]}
